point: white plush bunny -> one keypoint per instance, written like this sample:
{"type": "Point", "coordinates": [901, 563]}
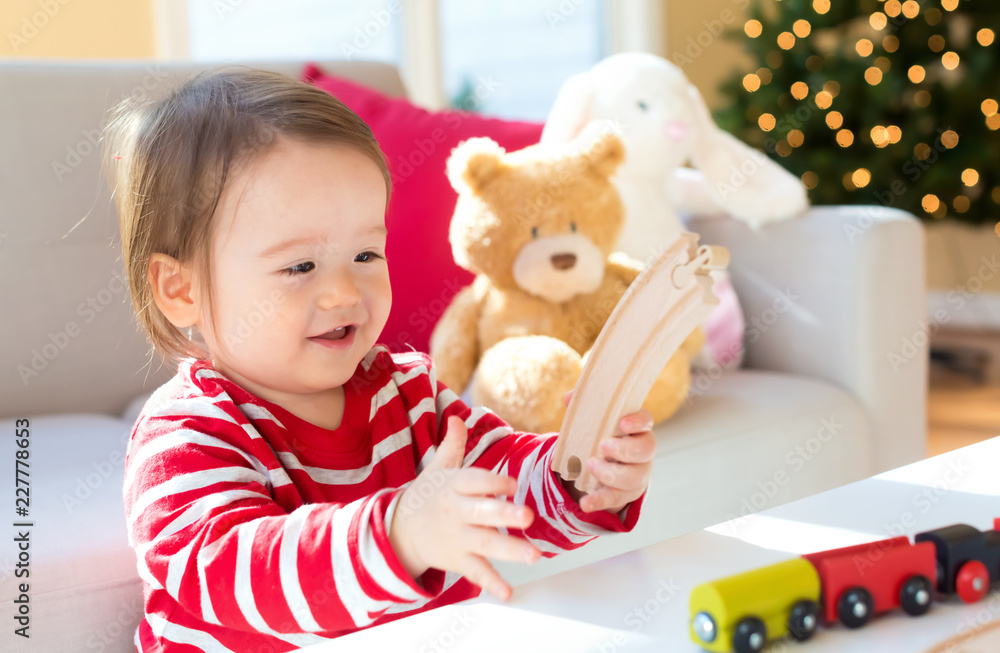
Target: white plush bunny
{"type": "Point", "coordinates": [665, 125]}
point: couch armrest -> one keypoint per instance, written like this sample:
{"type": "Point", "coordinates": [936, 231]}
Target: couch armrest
{"type": "Point", "coordinates": [839, 294]}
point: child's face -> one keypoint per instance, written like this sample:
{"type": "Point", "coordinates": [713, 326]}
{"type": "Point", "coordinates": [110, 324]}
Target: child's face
{"type": "Point", "coordinates": [272, 303]}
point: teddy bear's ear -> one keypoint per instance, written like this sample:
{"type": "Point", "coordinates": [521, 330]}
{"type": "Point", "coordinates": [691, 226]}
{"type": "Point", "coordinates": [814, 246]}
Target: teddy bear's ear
{"type": "Point", "coordinates": [601, 147]}
{"type": "Point", "coordinates": [474, 163]}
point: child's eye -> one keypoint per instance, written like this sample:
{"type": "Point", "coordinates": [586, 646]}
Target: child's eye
{"type": "Point", "coordinates": [365, 257]}
{"type": "Point", "coordinates": [300, 268]}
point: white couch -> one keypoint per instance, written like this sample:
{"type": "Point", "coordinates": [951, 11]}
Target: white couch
{"type": "Point", "coordinates": [819, 403]}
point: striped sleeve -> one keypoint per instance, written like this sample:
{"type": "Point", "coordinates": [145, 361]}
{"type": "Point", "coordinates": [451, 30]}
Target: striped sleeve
{"type": "Point", "coordinates": [560, 524]}
{"type": "Point", "coordinates": [207, 531]}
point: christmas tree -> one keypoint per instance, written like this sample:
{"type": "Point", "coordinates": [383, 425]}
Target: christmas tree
{"type": "Point", "coordinates": [876, 101]}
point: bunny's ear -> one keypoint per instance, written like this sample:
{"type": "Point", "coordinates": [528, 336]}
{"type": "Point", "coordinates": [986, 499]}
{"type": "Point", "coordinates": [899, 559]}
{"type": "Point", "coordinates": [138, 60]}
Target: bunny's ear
{"type": "Point", "coordinates": [474, 163]}
{"type": "Point", "coordinates": [571, 110]}
{"type": "Point", "coordinates": [743, 181]}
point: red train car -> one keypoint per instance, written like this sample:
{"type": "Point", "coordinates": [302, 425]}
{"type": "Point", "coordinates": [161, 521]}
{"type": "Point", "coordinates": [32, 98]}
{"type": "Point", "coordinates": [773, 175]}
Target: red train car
{"type": "Point", "coordinates": [867, 579]}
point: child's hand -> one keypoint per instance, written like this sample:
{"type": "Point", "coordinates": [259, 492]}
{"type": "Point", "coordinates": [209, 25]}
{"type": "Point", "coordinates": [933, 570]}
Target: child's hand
{"type": "Point", "coordinates": [624, 467]}
{"type": "Point", "coordinates": [447, 519]}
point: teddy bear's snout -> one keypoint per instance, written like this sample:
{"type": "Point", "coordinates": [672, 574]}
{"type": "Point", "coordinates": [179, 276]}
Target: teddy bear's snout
{"type": "Point", "coordinates": [563, 261]}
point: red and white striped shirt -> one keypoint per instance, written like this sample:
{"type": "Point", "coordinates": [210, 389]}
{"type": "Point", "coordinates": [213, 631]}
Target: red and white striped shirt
{"type": "Point", "coordinates": [257, 531]}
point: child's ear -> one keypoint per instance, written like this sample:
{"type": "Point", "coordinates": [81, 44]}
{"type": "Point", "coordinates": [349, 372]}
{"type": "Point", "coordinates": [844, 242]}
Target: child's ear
{"type": "Point", "coordinates": [171, 283]}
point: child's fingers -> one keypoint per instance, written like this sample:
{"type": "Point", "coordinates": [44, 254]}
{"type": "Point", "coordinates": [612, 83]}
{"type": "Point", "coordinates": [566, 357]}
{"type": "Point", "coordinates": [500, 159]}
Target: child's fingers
{"type": "Point", "coordinates": [568, 397]}
{"type": "Point", "coordinates": [451, 452]}
{"type": "Point", "coordinates": [634, 448]}
{"type": "Point", "coordinates": [480, 572]}
{"type": "Point", "coordinates": [641, 420]}
{"type": "Point", "coordinates": [624, 476]}
{"type": "Point", "coordinates": [494, 512]}
{"type": "Point", "coordinates": [475, 481]}
{"type": "Point", "coordinates": [490, 543]}
{"type": "Point", "coordinates": [606, 497]}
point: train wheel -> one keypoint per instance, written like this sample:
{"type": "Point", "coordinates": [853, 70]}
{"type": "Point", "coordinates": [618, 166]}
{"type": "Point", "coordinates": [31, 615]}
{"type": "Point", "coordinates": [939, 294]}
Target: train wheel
{"type": "Point", "coordinates": [916, 595]}
{"type": "Point", "coordinates": [750, 636]}
{"type": "Point", "coordinates": [855, 607]}
{"type": "Point", "coordinates": [972, 581]}
{"type": "Point", "coordinates": [803, 620]}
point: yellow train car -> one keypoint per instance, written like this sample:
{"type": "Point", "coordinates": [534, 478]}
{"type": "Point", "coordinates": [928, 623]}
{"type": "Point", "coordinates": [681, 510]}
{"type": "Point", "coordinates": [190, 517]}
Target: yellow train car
{"type": "Point", "coordinates": [742, 613]}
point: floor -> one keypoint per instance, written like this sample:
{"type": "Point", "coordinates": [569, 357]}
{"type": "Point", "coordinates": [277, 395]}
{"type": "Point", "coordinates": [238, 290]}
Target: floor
{"type": "Point", "coordinates": [960, 411]}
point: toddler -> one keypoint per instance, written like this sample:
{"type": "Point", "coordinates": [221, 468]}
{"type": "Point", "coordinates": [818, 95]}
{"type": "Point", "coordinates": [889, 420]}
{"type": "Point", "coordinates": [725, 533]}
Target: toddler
{"type": "Point", "coordinates": [295, 481]}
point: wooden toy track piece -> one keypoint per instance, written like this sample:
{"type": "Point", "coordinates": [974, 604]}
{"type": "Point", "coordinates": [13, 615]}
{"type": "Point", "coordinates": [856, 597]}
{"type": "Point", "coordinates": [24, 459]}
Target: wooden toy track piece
{"type": "Point", "coordinates": [979, 638]}
{"type": "Point", "coordinates": [665, 303]}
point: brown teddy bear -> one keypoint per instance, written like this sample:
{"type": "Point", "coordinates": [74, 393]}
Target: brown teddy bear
{"type": "Point", "coordinates": [537, 227]}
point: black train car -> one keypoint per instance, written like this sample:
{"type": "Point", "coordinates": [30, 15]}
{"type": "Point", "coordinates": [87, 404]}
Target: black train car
{"type": "Point", "coordinates": [968, 559]}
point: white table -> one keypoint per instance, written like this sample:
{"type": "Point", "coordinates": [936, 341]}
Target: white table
{"type": "Point", "coordinates": [639, 601]}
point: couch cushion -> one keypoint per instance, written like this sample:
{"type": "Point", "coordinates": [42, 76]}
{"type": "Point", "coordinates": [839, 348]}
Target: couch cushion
{"type": "Point", "coordinates": [84, 591]}
{"type": "Point", "coordinates": [745, 441]}
{"type": "Point", "coordinates": [417, 144]}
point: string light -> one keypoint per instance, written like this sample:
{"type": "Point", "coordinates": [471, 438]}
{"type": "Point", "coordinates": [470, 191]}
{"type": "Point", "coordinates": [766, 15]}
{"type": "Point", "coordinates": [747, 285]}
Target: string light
{"type": "Point", "coordinates": [921, 151]}
{"type": "Point", "coordinates": [766, 122]}
{"type": "Point", "coordinates": [799, 90]}
{"type": "Point", "coordinates": [911, 8]}
{"type": "Point", "coordinates": [932, 16]}
{"type": "Point", "coordinates": [985, 37]}
{"type": "Point", "coordinates": [950, 60]}
{"type": "Point", "coordinates": [751, 82]}
{"type": "Point", "coordinates": [916, 74]}
{"type": "Point", "coordinates": [936, 43]}
{"type": "Point", "coordinates": [930, 202]}
{"type": "Point", "coordinates": [961, 204]}
{"type": "Point", "coordinates": [949, 139]}
{"type": "Point", "coordinates": [922, 99]}
{"type": "Point", "coordinates": [883, 64]}
{"type": "Point", "coordinates": [878, 20]}
{"type": "Point", "coordinates": [845, 137]}
{"type": "Point", "coordinates": [864, 47]}
{"type": "Point", "coordinates": [796, 138]}
{"type": "Point", "coordinates": [993, 122]}
{"type": "Point", "coordinates": [753, 28]}
{"type": "Point", "coordinates": [786, 40]}
{"type": "Point", "coordinates": [783, 148]}
{"type": "Point", "coordinates": [821, 6]}
{"type": "Point", "coordinates": [848, 181]}
{"type": "Point", "coordinates": [824, 100]}
{"type": "Point", "coordinates": [765, 75]}
{"type": "Point", "coordinates": [949, 5]}
{"type": "Point", "coordinates": [801, 28]}
{"type": "Point", "coordinates": [861, 177]}
{"type": "Point", "coordinates": [970, 177]}
{"type": "Point", "coordinates": [989, 107]}
{"type": "Point", "coordinates": [895, 134]}
{"type": "Point", "coordinates": [873, 76]}
{"type": "Point", "coordinates": [880, 136]}
{"type": "Point", "coordinates": [832, 87]}
{"type": "Point", "coordinates": [834, 120]}
{"type": "Point", "coordinates": [892, 8]}
{"type": "Point", "coordinates": [890, 44]}
{"type": "Point", "coordinates": [810, 179]}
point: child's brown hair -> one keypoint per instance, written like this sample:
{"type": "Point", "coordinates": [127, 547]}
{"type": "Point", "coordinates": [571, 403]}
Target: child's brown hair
{"type": "Point", "coordinates": [168, 162]}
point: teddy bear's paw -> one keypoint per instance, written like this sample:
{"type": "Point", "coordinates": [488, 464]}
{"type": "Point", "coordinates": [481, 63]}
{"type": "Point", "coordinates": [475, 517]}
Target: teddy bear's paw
{"type": "Point", "coordinates": [523, 380]}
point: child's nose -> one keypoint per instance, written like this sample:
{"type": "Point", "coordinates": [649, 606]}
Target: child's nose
{"type": "Point", "coordinates": [340, 290]}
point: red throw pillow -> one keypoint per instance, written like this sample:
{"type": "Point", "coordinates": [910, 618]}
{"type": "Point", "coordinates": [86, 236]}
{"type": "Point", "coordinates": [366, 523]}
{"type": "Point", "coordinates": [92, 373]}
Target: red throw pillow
{"type": "Point", "coordinates": [417, 144]}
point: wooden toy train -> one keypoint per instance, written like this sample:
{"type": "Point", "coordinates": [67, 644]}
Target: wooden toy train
{"type": "Point", "coordinates": [742, 613]}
